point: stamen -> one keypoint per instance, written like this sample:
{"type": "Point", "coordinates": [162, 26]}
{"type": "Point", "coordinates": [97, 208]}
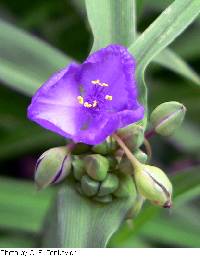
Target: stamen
{"type": "Point", "coordinates": [80, 99]}
{"type": "Point", "coordinates": [108, 97]}
{"type": "Point", "coordinates": [97, 82]}
{"type": "Point", "coordinates": [87, 105]}
{"type": "Point", "coordinates": [94, 103]}
{"type": "Point", "coordinates": [104, 84]}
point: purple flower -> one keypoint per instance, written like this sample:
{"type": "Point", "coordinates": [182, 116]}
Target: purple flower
{"type": "Point", "coordinates": [90, 101]}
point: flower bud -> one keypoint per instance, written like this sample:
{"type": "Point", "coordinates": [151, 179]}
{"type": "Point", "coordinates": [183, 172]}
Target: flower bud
{"type": "Point", "coordinates": [89, 186]}
{"type": "Point", "coordinates": [80, 148]}
{"type": "Point", "coordinates": [96, 166]}
{"type": "Point", "coordinates": [52, 166]}
{"type": "Point", "coordinates": [153, 184]}
{"type": "Point", "coordinates": [106, 147]}
{"type": "Point", "coordinates": [141, 156]}
{"type": "Point", "coordinates": [133, 136]}
{"type": "Point", "coordinates": [126, 187]}
{"type": "Point", "coordinates": [101, 148]}
{"type": "Point", "coordinates": [125, 165]}
{"type": "Point", "coordinates": [78, 188]}
{"type": "Point", "coordinates": [109, 185]}
{"type": "Point", "coordinates": [103, 199]}
{"type": "Point", "coordinates": [78, 167]}
{"type": "Point", "coordinates": [167, 117]}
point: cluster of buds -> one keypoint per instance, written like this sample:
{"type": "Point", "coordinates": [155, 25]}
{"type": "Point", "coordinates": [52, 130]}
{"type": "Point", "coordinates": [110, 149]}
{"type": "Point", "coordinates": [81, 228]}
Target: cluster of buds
{"type": "Point", "coordinates": [117, 168]}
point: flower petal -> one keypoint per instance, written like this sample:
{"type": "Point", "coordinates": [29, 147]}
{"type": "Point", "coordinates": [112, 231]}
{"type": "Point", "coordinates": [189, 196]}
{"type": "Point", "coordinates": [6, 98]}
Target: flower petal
{"type": "Point", "coordinates": [115, 66]}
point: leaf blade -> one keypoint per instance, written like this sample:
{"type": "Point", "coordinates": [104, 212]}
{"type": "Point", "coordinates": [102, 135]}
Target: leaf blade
{"type": "Point", "coordinates": [84, 217]}
{"type": "Point", "coordinates": [119, 22]}
{"type": "Point", "coordinates": [26, 61]}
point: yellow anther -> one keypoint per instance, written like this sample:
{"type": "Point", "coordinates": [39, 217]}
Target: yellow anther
{"type": "Point", "coordinates": [95, 82]}
{"type": "Point", "coordinates": [108, 97]}
{"type": "Point", "coordinates": [104, 84]}
{"type": "Point", "coordinates": [94, 103]}
{"type": "Point", "coordinates": [80, 99]}
{"type": "Point", "coordinates": [87, 105]}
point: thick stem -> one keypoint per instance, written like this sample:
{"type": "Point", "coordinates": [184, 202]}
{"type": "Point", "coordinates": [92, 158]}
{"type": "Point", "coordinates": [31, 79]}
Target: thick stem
{"type": "Point", "coordinates": [128, 153]}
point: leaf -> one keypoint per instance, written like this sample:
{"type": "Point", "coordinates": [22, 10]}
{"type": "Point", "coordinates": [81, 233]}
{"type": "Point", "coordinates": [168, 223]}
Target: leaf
{"type": "Point", "coordinates": [119, 22]}
{"type": "Point", "coordinates": [169, 231]}
{"type": "Point", "coordinates": [22, 208]}
{"type": "Point", "coordinates": [192, 133]}
{"type": "Point", "coordinates": [80, 222]}
{"type": "Point", "coordinates": [17, 134]}
{"type": "Point", "coordinates": [26, 61]}
{"type": "Point", "coordinates": [159, 35]}
{"type": "Point", "coordinates": [169, 59]}
{"type": "Point", "coordinates": [16, 241]}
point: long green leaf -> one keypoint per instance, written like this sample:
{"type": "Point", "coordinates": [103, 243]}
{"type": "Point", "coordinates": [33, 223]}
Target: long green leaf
{"type": "Point", "coordinates": [26, 61]}
{"type": "Point", "coordinates": [17, 134]}
{"type": "Point", "coordinates": [79, 222]}
{"type": "Point", "coordinates": [22, 208]}
{"type": "Point", "coordinates": [111, 21]}
{"type": "Point", "coordinates": [159, 35]}
{"type": "Point", "coordinates": [169, 231]}
{"type": "Point", "coordinates": [170, 60]}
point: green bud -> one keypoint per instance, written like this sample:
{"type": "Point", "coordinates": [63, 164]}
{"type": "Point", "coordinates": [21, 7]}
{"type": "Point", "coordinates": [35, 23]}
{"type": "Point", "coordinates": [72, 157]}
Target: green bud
{"type": "Point", "coordinates": [133, 136]}
{"type": "Point", "coordinates": [103, 199]}
{"type": "Point", "coordinates": [80, 148]}
{"type": "Point", "coordinates": [52, 166]}
{"type": "Point", "coordinates": [96, 166]}
{"type": "Point", "coordinates": [167, 117]}
{"type": "Point", "coordinates": [112, 162]}
{"type": "Point", "coordinates": [78, 167]}
{"type": "Point", "coordinates": [141, 156]}
{"type": "Point", "coordinates": [126, 187]}
{"type": "Point", "coordinates": [79, 188]}
{"type": "Point", "coordinates": [153, 184]}
{"type": "Point", "coordinates": [109, 185]}
{"type": "Point", "coordinates": [89, 186]}
{"type": "Point", "coordinates": [101, 148]}
{"type": "Point", "coordinates": [125, 165]}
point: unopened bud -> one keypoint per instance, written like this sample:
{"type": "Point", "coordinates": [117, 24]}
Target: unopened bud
{"type": "Point", "coordinates": [141, 156]}
{"type": "Point", "coordinates": [89, 186]}
{"type": "Point", "coordinates": [52, 166]}
{"type": "Point", "coordinates": [103, 199]}
{"type": "Point", "coordinates": [78, 167]}
{"type": "Point", "coordinates": [101, 148]}
{"type": "Point", "coordinates": [132, 136]}
{"type": "Point", "coordinates": [106, 147]}
{"type": "Point", "coordinates": [125, 165]}
{"type": "Point", "coordinates": [96, 166]}
{"type": "Point", "coordinates": [167, 117]}
{"type": "Point", "coordinates": [109, 185]}
{"type": "Point", "coordinates": [153, 184]}
{"type": "Point", "coordinates": [80, 148]}
{"type": "Point", "coordinates": [126, 187]}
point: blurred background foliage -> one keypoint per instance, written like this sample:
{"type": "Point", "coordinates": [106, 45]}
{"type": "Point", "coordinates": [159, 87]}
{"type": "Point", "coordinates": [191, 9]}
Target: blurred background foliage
{"type": "Point", "coordinates": [63, 25]}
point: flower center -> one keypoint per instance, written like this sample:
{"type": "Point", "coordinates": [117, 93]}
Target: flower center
{"type": "Point", "coordinates": [97, 96]}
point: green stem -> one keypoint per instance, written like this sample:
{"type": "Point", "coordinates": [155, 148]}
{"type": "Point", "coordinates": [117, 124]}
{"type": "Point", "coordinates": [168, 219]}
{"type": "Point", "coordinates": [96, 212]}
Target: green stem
{"type": "Point", "coordinates": [136, 164]}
